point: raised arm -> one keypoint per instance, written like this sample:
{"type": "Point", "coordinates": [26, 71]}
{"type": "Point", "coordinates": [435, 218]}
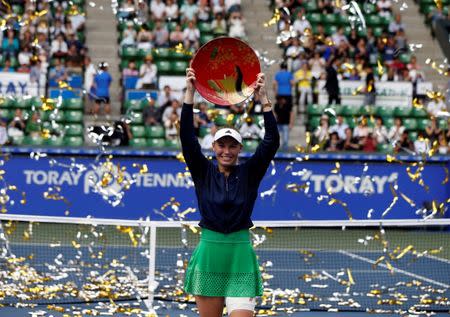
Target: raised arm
{"type": "Point", "coordinates": [266, 150]}
{"type": "Point", "coordinates": [195, 160]}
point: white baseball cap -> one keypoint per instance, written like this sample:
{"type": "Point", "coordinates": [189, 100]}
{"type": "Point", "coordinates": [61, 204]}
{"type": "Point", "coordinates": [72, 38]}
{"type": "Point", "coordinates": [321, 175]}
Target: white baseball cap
{"type": "Point", "coordinates": [228, 132]}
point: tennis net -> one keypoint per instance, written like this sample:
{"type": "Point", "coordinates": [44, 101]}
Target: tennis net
{"type": "Point", "coordinates": [375, 266]}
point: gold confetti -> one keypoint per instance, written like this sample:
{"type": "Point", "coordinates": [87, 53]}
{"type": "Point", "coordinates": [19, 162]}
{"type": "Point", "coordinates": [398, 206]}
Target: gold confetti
{"type": "Point", "coordinates": [445, 181]}
{"type": "Point", "coordinates": [380, 68]}
{"type": "Point", "coordinates": [405, 250]}
{"type": "Point", "coordinates": [275, 18]}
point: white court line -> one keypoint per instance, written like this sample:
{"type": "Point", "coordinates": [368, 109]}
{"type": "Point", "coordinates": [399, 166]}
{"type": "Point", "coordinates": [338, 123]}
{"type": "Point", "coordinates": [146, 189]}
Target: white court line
{"type": "Point", "coordinates": [419, 277]}
{"type": "Point", "coordinates": [433, 257]}
{"type": "Point", "coordinates": [319, 270]}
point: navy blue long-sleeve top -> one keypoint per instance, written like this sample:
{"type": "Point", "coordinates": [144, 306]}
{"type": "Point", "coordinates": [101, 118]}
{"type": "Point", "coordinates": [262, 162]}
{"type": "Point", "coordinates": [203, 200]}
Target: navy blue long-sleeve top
{"type": "Point", "coordinates": [226, 203]}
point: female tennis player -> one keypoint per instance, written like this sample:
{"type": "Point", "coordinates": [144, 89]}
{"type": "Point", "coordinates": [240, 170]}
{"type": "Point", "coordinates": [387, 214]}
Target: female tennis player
{"type": "Point", "coordinates": [223, 268]}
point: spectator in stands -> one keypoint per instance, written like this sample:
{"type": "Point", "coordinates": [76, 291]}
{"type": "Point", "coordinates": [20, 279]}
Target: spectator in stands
{"type": "Point", "coordinates": [339, 127]}
{"type": "Point", "coordinates": [69, 28]}
{"type": "Point", "coordinates": [26, 39]}
{"type": "Point", "coordinates": [59, 47]}
{"type": "Point", "coordinates": [334, 144]}
{"type": "Point", "coordinates": [158, 9]}
{"type": "Point", "coordinates": [285, 120]}
{"type": "Point", "coordinates": [102, 83]}
{"type": "Point", "coordinates": [201, 119]}
{"type": "Point", "coordinates": [34, 125]}
{"type": "Point", "coordinates": [390, 75]}
{"type": "Point", "coordinates": [350, 143]}
{"type": "Point", "coordinates": [389, 50]}
{"type": "Point", "coordinates": [204, 11]}
{"type": "Point", "coordinates": [434, 16]}
{"type": "Point", "coordinates": [370, 91]}
{"type": "Point", "coordinates": [172, 11]}
{"type": "Point", "coordinates": [432, 130]}
{"type": "Point", "coordinates": [188, 11]}
{"type": "Point", "coordinates": [282, 85]}
{"type": "Point", "coordinates": [236, 26]}
{"type": "Point", "coordinates": [150, 113]}
{"type": "Point", "coordinates": [421, 144]}
{"type": "Point", "coordinates": [414, 68]}
{"type": "Point", "coordinates": [142, 11]}
{"type": "Point", "coordinates": [208, 139]}
{"type": "Point", "coordinates": [317, 64]}
{"type": "Point", "coordinates": [396, 130]}
{"type": "Point", "coordinates": [130, 70]}
{"type": "Point", "coordinates": [404, 144]}
{"type": "Point", "coordinates": [369, 143]}
{"type": "Point", "coordinates": [173, 108]}
{"type": "Point", "coordinates": [145, 38]}
{"type": "Point", "coordinates": [361, 130]}
{"type": "Point", "coordinates": [129, 35]}
{"type": "Point", "coordinates": [435, 106]}
{"type": "Point", "coordinates": [72, 40]}
{"type": "Point", "coordinates": [401, 42]}
{"type": "Point", "coordinates": [161, 35]}
{"type": "Point", "coordinates": [322, 132]}
{"type": "Point", "coordinates": [165, 97]}
{"type": "Point", "coordinates": [250, 130]}
{"type": "Point", "coordinates": [3, 132]}
{"type": "Point", "coordinates": [16, 128]}
{"type": "Point", "coordinates": [59, 14]}
{"type": "Point", "coordinates": [176, 36]}
{"type": "Point", "coordinates": [332, 82]}
{"type": "Point", "coordinates": [35, 70]}
{"type": "Point", "coordinates": [396, 24]}
{"type": "Point", "coordinates": [74, 60]}
{"type": "Point", "coordinates": [170, 125]}
{"type": "Point", "coordinates": [7, 68]}
{"type": "Point", "coordinates": [218, 25]}
{"type": "Point", "coordinates": [443, 146]}
{"type": "Point", "coordinates": [303, 77]}
{"type": "Point", "coordinates": [76, 18]}
{"type": "Point", "coordinates": [57, 28]}
{"type": "Point", "coordinates": [121, 135]}
{"type": "Point", "coordinates": [218, 6]}
{"type": "Point", "coordinates": [384, 8]}
{"type": "Point", "coordinates": [58, 73]}
{"type": "Point", "coordinates": [292, 53]}
{"type": "Point", "coordinates": [380, 132]}
{"type": "Point", "coordinates": [147, 74]}
{"type": "Point", "coordinates": [301, 23]}
{"type": "Point", "coordinates": [25, 56]}
{"type": "Point", "coordinates": [10, 44]}
{"type": "Point", "coordinates": [191, 36]}
{"type": "Point", "coordinates": [339, 37]}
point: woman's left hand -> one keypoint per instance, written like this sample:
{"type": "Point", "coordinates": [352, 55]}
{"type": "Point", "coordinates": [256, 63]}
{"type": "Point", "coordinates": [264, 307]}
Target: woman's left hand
{"type": "Point", "coordinates": [260, 88]}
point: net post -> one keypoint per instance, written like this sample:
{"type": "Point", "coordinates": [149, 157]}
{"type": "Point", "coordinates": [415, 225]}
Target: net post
{"type": "Point", "coordinates": [151, 269]}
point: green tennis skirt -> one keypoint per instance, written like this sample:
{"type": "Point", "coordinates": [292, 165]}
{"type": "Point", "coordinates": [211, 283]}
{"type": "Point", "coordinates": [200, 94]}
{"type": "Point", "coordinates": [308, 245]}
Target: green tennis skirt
{"type": "Point", "coordinates": [224, 265]}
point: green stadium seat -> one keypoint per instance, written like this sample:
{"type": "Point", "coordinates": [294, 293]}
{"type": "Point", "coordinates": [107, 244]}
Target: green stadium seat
{"type": "Point", "coordinates": [204, 27]}
{"type": "Point", "coordinates": [422, 123]}
{"type": "Point", "coordinates": [156, 143]}
{"type": "Point", "coordinates": [138, 142]}
{"type": "Point", "coordinates": [410, 124]}
{"type": "Point", "coordinates": [129, 52]}
{"type": "Point", "coordinates": [138, 131]}
{"type": "Point", "coordinates": [178, 67]}
{"type": "Point", "coordinates": [164, 67]}
{"type": "Point", "coordinates": [405, 58]}
{"type": "Point", "coordinates": [173, 144]}
{"type": "Point", "coordinates": [314, 18]}
{"type": "Point", "coordinates": [10, 102]}
{"type": "Point", "coordinates": [329, 19]}
{"type": "Point", "coordinates": [156, 131]}
{"type": "Point", "coordinates": [373, 20]}
{"type": "Point", "coordinates": [74, 129]}
{"type": "Point", "coordinates": [204, 131]}
{"type": "Point", "coordinates": [330, 29]}
{"type": "Point", "coordinates": [388, 122]}
{"type": "Point", "coordinates": [17, 140]}
{"type": "Point", "coordinates": [413, 135]}
{"type": "Point", "coordinates": [385, 148]}
{"type": "Point", "coordinates": [221, 121]}
{"type": "Point", "coordinates": [73, 116]}
{"type": "Point", "coordinates": [351, 121]}
{"type": "Point", "coordinates": [419, 112]}
{"type": "Point", "coordinates": [205, 38]}
{"type": "Point", "coordinates": [35, 102]}
{"type": "Point", "coordinates": [161, 53]}
{"type": "Point", "coordinates": [171, 25]}
{"type": "Point", "coordinates": [137, 118]}
{"type": "Point", "coordinates": [6, 114]}
{"type": "Point", "coordinates": [132, 105]}
{"type": "Point", "coordinates": [369, 8]}
{"type": "Point", "coordinates": [313, 122]}
{"type": "Point", "coordinates": [250, 145]}
{"type": "Point", "coordinates": [123, 64]}
{"type": "Point", "coordinates": [402, 111]}
{"type": "Point", "coordinates": [58, 116]}
{"type": "Point", "coordinates": [350, 111]}
{"type": "Point", "coordinates": [443, 124]}
{"type": "Point", "coordinates": [33, 140]}
{"type": "Point", "coordinates": [180, 55]}
{"type": "Point", "coordinates": [310, 6]}
{"type": "Point", "coordinates": [384, 111]}
{"type": "Point", "coordinates": [73, 141]}
{"type": "Point", "coordinates": [366, 111]}
{"type": "Point", "coordinates": [144, 52]}
{"type": "Point", "coordinates": [23, 103]}
{"type": "Point", "coordinates": [378, 31]}
{"type": "Point", "coordinates": [54, 141]}
{"type": "Point", "coordinates": [315, 110]}
{"type": "Point", "coordinates": [73, 104]}
{"type": "Point", "coordinates": [342, 19]}
{"type": "Point", "coordinates": [385, 21]}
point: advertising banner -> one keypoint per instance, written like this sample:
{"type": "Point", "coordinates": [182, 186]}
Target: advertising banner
{"type": "Point", "coordinates": [161, 188]}
{"type": "Point", "coordinates": [18, 84]}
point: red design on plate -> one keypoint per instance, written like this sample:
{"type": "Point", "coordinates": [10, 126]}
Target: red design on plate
{"type": "Point", "coordinates": [225, 71]}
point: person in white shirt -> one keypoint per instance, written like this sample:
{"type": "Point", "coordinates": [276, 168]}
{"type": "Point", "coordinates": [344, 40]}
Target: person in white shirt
{"type": "Point", "coordinates": [188, 11]}
{"type": "Point", "coordinates": [384, 8]}
{"type": "Point", "coordinates": [3, 132]}
{"type": "Point", "coordinates": [77, 19]}
{"type": "Point", "coordinates": [317, 65]}
{"type": "Point", "coordinates": [191, 36]}
{"type": "Point", "coordinates": [436, 105]}
{"type": "Point", "coordinates": [380, 132]}
{"type": "Point", "coordinates": [339, 127]}
{"type": "Point", "coordinates": [250, 130]}
{"type": "Point", "coordinates": [322, 132]}
{"type": "Point", "coordinates": [173, 108]}
{"type": "Point", "coordinates": [396, 130]}
{"type": "Point", "coordinates": [421, 145]}
{"type": "Point", "coordinates": [59, 46]}
{"type": "Point", "coordinates": [147, 74]}
{"type": "Point", "coordinates": [361, 130]}
{"type": "Point", "coordinates": [339, 37]}
{"type": "Point", "coordinates": [236, 25]}
{"type": "Point", "coordinates": [208, 139]}
{"type": "Point", "coordinates": [158, 9]}
{"type": "Point", "coordinates": [171, 10]}
{"type": "Point", "coordinates": [300, 23]}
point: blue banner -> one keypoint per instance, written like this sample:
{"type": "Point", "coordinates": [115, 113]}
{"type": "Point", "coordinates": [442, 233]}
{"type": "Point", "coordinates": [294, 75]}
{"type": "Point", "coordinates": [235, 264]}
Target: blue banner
{"type": "Point", "coordinates": [160, 188]}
